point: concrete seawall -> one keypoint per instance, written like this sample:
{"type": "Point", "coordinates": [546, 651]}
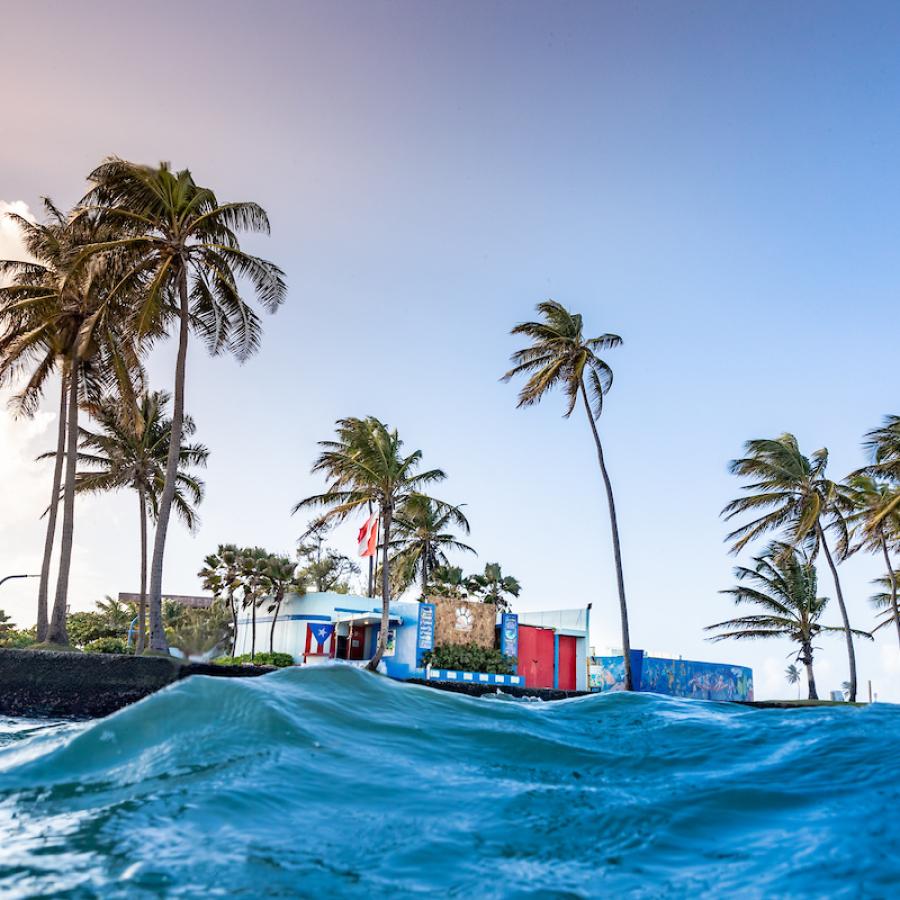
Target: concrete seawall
{"type": "Point", "coordinates": [88, 685]}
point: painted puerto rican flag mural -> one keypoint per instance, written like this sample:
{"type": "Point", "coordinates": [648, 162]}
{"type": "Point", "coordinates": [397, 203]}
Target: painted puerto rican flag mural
{"type": "Point", "coordinates": [320, 638]}
{"type": "Point", "coordinates": [368, 536]}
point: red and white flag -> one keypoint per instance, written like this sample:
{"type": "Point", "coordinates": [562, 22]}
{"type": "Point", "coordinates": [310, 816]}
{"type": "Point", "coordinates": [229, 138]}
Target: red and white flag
{"type": "Point", "coordinates": [368, 536]}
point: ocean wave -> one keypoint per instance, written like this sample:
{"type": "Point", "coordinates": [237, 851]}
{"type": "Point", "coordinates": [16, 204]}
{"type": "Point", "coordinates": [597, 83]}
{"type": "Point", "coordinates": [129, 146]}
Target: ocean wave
{"type": "Point", "coordinates": [330, 780]}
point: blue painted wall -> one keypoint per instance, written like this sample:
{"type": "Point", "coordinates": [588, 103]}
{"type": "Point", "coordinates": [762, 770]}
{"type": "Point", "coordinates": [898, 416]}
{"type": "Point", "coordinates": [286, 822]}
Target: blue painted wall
{"type": "Point", "coordinates": [676, 677]}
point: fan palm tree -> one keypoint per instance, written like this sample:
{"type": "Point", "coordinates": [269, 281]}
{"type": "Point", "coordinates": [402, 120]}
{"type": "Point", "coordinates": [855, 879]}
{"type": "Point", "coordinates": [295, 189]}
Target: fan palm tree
{"type": "Point", "coordinates": [448, 581]}
{"type": "Point", "coordinates": [493, 586]}
{"type": "Point", "coordinates": [366, 465]}
{"type": "Point", "coordinates": [783, 586]}
{"type": "Point", "coordinates": [178, 238]}
{"type": "Point", "coordinates": [559, 355]}
{"type": "Point", "coordinates": [423, 537]}
{"type": "Point", "coordinates": [873, 513]}
{"type": "Point", "coordinates": [130, 450]}
{"type": "Point", "coordinates": [790, 493]}
{"type": "Point", "coordinates": [58, 315]}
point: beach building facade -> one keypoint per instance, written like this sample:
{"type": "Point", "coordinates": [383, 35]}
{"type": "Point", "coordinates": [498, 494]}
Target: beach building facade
{"type": "Point", "coordinates": [316, 628]}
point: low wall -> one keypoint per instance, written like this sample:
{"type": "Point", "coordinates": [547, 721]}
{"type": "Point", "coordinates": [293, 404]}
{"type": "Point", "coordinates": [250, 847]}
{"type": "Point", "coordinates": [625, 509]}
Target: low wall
{"type": "Point", "coordinates": [88, 685]}
{"type": "Point", "coordinates": [676, 677]}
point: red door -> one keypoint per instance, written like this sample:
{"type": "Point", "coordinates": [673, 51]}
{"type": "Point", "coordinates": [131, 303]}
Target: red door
{"type": "Point", "coordinates": [536, 656]}
{"type": "Point", "coordinates": [566, 662]}
{"type": "Point", "coordinates": [356, 643]}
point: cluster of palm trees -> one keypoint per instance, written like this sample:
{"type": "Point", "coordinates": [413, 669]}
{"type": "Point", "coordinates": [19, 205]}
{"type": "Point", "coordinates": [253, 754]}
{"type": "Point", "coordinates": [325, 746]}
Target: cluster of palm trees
{"type": "Point", "coordinates": [146, 252]}
{"type": "Point", "coordinates": [248, 578]}
{"type": "Point", "coordinates": [791, 495]}
{"type": "Point", "coordinates": [489, 586]}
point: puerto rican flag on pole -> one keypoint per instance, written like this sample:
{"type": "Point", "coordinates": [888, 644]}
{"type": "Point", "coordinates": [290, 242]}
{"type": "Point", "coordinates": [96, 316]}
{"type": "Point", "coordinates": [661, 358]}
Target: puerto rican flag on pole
{"type": "Point", "coordinates": [368, 536]}
{"type": "Point", "coordinates": [319, 638]}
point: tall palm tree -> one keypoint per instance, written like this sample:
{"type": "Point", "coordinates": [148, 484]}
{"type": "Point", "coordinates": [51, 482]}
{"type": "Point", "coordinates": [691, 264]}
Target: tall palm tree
{"type": "Point", "coordinates": [873, 513]}
{"type": "Point", "coordinates": [130, 450]}
{"type": "Point", "coordinates": [790, 493]}
{"type": "Point", "coordinates": [366, 465]}
{"type": "Point", "coordinates": [559, 355]}
{"type": "Point", "coordinates": [281, 576]}
{"type": "Point", "coordinates": [493, 586]}
{"type": "Point", "coordinates": [884, 601]}
{"type": "Point", "coordinates": [783, 586]}
{"type": "Point", "coordinates": [422, 539]}
{"type": "Point", "coordinates": [58, 315]}
{"type": "Point", "coordinates": [178, 238]}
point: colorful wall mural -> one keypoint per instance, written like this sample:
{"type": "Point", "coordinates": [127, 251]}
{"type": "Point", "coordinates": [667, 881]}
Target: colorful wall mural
{"type": "Point", "coordinates": [676, 677]}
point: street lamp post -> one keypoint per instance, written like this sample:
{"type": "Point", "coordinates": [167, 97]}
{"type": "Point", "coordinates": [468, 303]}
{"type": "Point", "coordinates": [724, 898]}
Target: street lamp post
{"type": "Point", "coordinates": [8, 577]}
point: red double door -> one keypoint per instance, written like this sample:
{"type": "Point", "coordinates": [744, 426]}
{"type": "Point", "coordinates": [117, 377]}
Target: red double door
{"type": "Point", "coordinates": [536, 657]}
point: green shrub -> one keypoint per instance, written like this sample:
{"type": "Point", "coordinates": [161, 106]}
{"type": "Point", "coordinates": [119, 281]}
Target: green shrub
{"type": "Point", "coordinates": [17, 640]}
{"type": "Point", "coordinates": [281, 660]}
{"type": "Point", "coordinates": [107, 645]}
{"type": "Point", "coordinates": [469, 658]}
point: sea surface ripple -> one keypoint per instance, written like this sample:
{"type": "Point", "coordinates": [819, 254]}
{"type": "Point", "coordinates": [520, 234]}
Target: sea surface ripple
{"type": "Point", "coordinates": [332, 781]}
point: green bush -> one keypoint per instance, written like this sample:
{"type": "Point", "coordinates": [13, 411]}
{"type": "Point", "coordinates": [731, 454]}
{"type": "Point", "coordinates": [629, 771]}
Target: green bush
{"type": "Point", "coordinates": [469, 658]}
{"type": "Point", "coordinates": [281, 660]}
{"type": "Point", "coordinates": [107, 645]}
{"type": "Point", "coordinates": [17, 640]}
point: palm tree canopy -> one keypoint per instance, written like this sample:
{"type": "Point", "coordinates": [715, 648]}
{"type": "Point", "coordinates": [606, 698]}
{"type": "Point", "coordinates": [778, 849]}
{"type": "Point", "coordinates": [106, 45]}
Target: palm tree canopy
{"type": "Point", "coordinates": [790, 491]}
{"type": "Point", "coordinates": [171, 228]}
{"type": "Point", "coordinates": [423, 536]}
{"type": "Point", "coordinates": [366, 465]}
{"type": "Point", "coordinates": [130, 450]}
{"type": "Point", "coordinates": [58, 308]}
{"type": "Point", "coordinates": [493, 586]}
{"type": "Point", "coordinates": [560, 356]}
{"type": "Point", "coordinates": [872, 511]}
{"type": "Point", "coordinates": [783, 586]}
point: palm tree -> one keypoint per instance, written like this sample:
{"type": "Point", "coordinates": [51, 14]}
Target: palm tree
{"type": "Point", "coordinates": [280, 577]}
{"type": "Point", "coordinates": [783, 585]}
{"type": "Point", "coordinates": [58, 314]}
{"type": "Point", "coordinates": [560, 356]}
{"type": "Point", "coordinates": [130, 450]}
{"type": "Point", "coordinates": [792, 674]}
{"type": "Point", "coordinates": [423, 537]}
{"type": "Point", "coordinates": [872, 511]}
{"type": "Point", "coordinates": [448, 581]}
{"type": "Point", "coordinates": [178, 238]}
{"type": "Point", "coordinates": [493, 586]}
{"type": "Point", "coordinates": [366, 465]}
{"type": "Point", "coordinates": [221, 578]}
{"type": "Point", "coordinates": [251, 566]}
{"type": "Point", "coordinates": [791, 493]}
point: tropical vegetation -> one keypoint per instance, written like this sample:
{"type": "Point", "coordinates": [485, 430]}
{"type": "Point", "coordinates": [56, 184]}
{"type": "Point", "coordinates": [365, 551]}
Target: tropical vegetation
{"type": "Point", "coordinates": [560, 356]}
{"type": "Point", "coordinates": [469, 658]}
{"type": "Point", "coordinates": [783, 587]}
{"type": "Point", "coordinates": [367, 468]}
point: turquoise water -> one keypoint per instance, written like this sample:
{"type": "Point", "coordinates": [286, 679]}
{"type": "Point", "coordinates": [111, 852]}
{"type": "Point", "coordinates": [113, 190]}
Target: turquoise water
{"type": "Point", "coordinates": [335, 782]}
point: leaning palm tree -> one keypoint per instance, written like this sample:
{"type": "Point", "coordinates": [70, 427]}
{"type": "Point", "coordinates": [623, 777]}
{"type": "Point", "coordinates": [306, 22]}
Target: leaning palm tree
{"type": "Point", "coordinates": [366, 465]}
{"type": "Point", "coordinates": [178, 238]}
{"type": "Point", "coordinates": [790, 493]}
{"type": "Point", "coordinates": [221, 577]}
{"type": "Point", "coordinates": [783, 586]}
{"type": "Point", "coordinates": [873, 513]}
{"type": "Point", "coordinates": [493, 586]}
{"type": "Point", "coordinates": [130, 450]}
{"type": "Point", "coordinates": [424, 535]}
{"type": "Point", "coordinates": [59, 314]}
{"type": "Point", "coordinates": [281, 577]}
{"type": "Point", "coordinates": [559, 355]}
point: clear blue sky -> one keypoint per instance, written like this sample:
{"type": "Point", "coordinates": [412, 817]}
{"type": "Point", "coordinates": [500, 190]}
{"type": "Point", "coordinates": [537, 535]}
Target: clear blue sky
{"type": "Point", "coordinates": [715, 182]}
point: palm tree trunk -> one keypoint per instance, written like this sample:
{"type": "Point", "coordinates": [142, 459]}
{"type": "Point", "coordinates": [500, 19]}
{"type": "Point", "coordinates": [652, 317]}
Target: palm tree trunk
{"type": "Point", "coordinates": [617, 550]}
{"type": "Point", "coordinates": [272, 629]}
{"type": "Point", "coordinates": [142, 602]}
{"type": "Point", "coordinates": [810, 677]}
{"type": "Point", "coordinates": [56, 631]}
{"type": "Point", "coordinates": [425, 569]}
{"type": "Point", "coordinates": [52, 510]}
{"type": "Point", "coordinates": [233, 624]}
{"type": "Point", "coordinates": [157, 631]}
{"type": "Point", "coordinates": [385, 590]}
{"type": "Point", "coordinates": [253, 630]}
{"type": "Point", "coordinates": [851, 653]}
{"type": "Point", "coordinates": [893, 578]}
